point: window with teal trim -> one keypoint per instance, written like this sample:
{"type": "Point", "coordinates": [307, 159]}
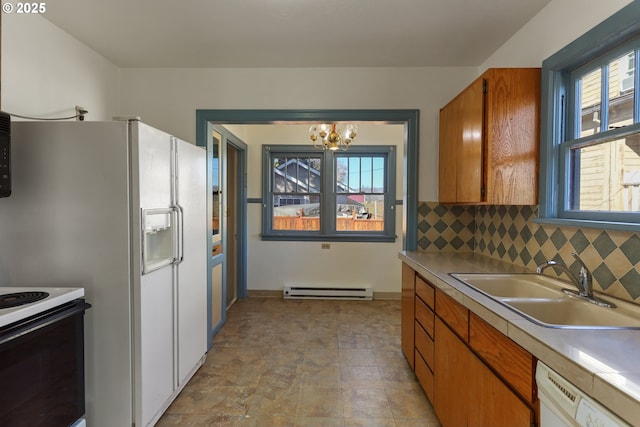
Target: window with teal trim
{"type": "Point", "coordinates": [328, 195]}
{"type": "Point", "coordinates": [591, 138]}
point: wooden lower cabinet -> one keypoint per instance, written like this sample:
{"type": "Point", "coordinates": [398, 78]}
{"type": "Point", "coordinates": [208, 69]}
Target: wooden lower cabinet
{"type": "Point", "coordinates": [474, 375]}
{"type": "Point", "coordinates": [491, 402]}
{"type": "Point", "coordinates": [424, 375]}
{"type": "Point", "coordinates": [407, 318]}
{"type": "Point", "coordinates": [450, 377]}
{"type": "Point", "coordinates": [512, 362]}
{"type": "Point", "coordinates": [453, 314]}
{"type": "Point", "coordinates": [467, 392]}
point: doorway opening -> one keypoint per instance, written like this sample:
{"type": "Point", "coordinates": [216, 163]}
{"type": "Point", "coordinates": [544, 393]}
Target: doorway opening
{"type": "Point", "coordinates": [207, 119]}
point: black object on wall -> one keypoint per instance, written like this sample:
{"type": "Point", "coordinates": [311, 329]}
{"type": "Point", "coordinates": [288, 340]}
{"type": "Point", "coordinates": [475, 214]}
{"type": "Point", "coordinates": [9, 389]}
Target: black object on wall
{"type": "Point", "coordinates": [5, 154]}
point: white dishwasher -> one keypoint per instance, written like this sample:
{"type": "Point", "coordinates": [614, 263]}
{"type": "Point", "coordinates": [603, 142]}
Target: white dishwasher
{"type": "Point", "coordinates": [563, 404]}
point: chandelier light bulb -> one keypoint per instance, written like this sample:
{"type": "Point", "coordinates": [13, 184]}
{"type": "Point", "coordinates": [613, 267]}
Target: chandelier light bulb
{"type": "Point", "coordinates": [324, 130]}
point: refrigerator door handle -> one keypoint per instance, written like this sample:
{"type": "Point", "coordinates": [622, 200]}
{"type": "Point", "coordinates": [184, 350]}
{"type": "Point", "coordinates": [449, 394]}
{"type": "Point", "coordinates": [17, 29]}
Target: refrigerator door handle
{"type": "Point", "coordinates": [180, 234]}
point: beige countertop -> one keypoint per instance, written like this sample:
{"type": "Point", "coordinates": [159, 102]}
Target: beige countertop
{"type": "Point", "coordinates": [604, 364]}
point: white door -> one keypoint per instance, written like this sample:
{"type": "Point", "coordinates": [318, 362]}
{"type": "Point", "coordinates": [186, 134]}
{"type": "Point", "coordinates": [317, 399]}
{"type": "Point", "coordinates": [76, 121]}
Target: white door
{"type": "Point", "coordinates": [192, 267]}
{"type": "Point", "coordinates": [154, 295]}
{"type": "Point", "coordinates": [156, 358]}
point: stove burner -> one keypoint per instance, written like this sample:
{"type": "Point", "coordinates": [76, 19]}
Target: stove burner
{"type": "Point", "coordinates": [21, 298]}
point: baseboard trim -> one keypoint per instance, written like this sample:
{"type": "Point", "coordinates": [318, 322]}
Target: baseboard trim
{"type": "Point", "coordinates": [264, 294]}
{"type": "Point", "coordinates": [387, 295]}
{"type": "Point", "coordinates": [251, 293]}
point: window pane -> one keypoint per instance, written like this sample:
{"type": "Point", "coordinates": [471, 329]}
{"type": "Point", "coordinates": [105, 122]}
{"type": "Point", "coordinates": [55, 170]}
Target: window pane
{"type": "Point", "coordinates": [589, 93]}
{"type": "Point", "coordinates": [360, 201]}
{"type": "Point", "coordinates": [216, 199]}
{"type": "Point", "coordinates": [279, 178]}
{"type": "Point", "coordinates": [360, 212]}
{"type": "Point", "coordinates": [296, 212]}
{"type": "Point", "coordinates": [296, 175]}
{"type": "Point", "coordinates": [379, 174]}
{"type": "Point", "coordinates": [621, 90]}
{"type": "Point", "coordinates": [314, 164]}
{"type": "Point", "coordinates": [366, 174]}
{"type": "Point", "coordinates": [296, 185]}
{"type": "Point", "coordinates": [606, 176]}
{"type": "Point", "coordinates": [342, 175]}
{"type": "Point", "coordinates": [360, 174]}
{"type": "Point", "coordinates": [354, 174]}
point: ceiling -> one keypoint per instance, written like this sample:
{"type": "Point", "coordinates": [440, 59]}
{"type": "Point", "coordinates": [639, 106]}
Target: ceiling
{"type": "Point", "coordinates": [293, 33]}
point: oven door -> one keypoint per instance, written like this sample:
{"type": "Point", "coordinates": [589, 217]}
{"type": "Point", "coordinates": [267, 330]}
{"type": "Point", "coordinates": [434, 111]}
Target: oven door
{"type": "Point", "coordinates": [42, 368]}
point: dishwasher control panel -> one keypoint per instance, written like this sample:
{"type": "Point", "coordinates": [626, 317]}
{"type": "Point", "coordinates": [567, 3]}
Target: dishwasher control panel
{"type": "Point", "coordinates": [590, 414]}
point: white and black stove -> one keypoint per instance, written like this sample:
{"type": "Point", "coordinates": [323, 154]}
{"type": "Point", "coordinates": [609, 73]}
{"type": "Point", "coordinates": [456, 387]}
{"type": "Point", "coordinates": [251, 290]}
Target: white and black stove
{"type": "Point", "coordinates": [42, 353]}
{"type": "Point", "coordinates": [19, 303]}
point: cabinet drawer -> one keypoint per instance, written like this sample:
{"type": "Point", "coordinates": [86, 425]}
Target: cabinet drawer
{"type": "Point", "coordinates": [513, 363]}
{"type": "Point", "coordinates": [425, 376]}
{"type": "Point", "coordinates": [424, 315]}
{"type": "Point", "coordinates": [454, 314]}
{"type": "Point", "coordinates": [424, 345]}
{"type": "Point", "coordinates": [425, 291]}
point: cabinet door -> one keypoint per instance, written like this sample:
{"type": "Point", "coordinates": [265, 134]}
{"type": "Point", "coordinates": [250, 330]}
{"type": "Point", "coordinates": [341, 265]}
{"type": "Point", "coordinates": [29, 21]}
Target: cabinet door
{"type": "Point", "coordinates": [451, 380]}
{"type": "Point", "coordinates": [489, 139]}
{"type": "Point", "coordinates": [470, 167]}
{"type": "Point", "coordinates": [491, 402]}
{"type": "Point", "coordinates": [468, 393]}
{"type": "Point", "coordinates": [453, 313]}
{"type": "Point", "coordinates": [450, 132]}
{"type": "Point", "coordinates": [408, 313]}
{"type": "Point", "coordinates": [512, 362]}
{"type": "Point", "coordinates": [512, 135]}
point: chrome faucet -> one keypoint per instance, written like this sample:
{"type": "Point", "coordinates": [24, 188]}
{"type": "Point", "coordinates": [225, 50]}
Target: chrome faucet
{"type": "Point", "coordinates": [584, 281]}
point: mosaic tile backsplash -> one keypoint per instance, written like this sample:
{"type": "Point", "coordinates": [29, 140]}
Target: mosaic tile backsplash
{"type": "Point", "coordinates": [509, 233]}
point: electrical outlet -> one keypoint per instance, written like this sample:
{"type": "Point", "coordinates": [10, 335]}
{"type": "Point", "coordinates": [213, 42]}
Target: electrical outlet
{"type": "Point", "coordinates": [326, 246]}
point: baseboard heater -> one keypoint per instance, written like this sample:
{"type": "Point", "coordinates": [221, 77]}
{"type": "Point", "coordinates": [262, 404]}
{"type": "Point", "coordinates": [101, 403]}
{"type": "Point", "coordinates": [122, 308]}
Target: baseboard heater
{"type": "Point", "coordinates": [308, 292]}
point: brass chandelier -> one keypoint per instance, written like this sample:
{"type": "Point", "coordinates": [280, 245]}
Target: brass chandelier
{"type": "Point", "coordinates": [331, 137]}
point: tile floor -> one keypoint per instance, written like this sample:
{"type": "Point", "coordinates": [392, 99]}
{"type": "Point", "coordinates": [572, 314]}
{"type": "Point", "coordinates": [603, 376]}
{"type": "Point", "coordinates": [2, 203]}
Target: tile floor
{"type": "Point", "coordinates": [305, 363]}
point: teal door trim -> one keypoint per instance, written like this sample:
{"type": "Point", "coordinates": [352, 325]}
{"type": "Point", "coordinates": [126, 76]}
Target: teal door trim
{"type": "Point", "coordinates": [204, 139]}
{"type": "Point", "coordinates": [410, 118]}
{"type": "Point", "coordinates": [241, 210]}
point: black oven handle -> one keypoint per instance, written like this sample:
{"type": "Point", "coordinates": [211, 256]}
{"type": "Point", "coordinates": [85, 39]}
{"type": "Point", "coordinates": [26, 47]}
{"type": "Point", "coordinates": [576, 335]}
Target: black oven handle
{"type": "Point", "coordinates": [41, 320]}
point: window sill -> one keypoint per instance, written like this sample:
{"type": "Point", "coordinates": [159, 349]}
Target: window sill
{"type": "Point", "coordinates": [329, 238]}
{"type": "Point", "coordinates": [603, 225]}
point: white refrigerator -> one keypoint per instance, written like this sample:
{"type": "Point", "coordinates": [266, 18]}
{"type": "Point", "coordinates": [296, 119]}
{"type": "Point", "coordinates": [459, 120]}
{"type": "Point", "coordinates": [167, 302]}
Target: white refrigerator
{"type": "Point", "coordinates": [118, 208]}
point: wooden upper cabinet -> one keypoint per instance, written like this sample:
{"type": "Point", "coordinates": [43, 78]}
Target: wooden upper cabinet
{"type": "Point", "coordinates": [469, 181]}
{"type": "Point", "coordinates": [448, 153]}
{"type": "Point", "coordinates": [489, 140]}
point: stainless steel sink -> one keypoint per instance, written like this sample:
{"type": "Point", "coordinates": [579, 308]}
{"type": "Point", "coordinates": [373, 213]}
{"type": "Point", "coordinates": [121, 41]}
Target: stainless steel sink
{"type": "Point", "coordinates": [540, 299]}
{"type": "Point", "coordinates": [513, 285]}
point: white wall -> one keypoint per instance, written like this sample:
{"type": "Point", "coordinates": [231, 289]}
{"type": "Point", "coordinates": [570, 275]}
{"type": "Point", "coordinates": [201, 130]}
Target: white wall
{"type": "Point", "coordinates": [46, 72]}
{"type": "Point", "coordinates": [554, 27]}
